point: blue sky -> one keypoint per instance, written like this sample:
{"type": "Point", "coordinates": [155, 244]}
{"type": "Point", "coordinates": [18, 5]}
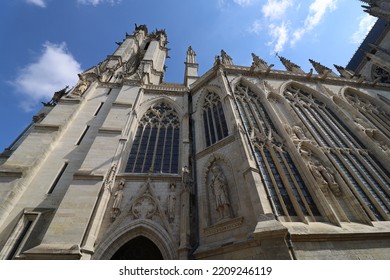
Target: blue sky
{"type": "Point", "coordinates": [45, 43]}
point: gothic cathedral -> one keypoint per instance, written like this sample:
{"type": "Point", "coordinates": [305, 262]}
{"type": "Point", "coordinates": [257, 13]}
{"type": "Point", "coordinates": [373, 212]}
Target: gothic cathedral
{"type": "Point", "coordinates": [243, 162]}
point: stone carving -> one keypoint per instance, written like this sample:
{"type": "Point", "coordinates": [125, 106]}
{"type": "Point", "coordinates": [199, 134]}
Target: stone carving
{"type": "Point", "coordinates": [56, 97]}
{"type": "Point", "coordinates": [172, 203]}
{"type": "Point", "coordinates": [144, 207]}
{"type": "Point", "coordinates": [110, 176]}
{"type": "Point", "coordinates": [377, 137]}
{"type": "Point", "coordinates": [218, 185]}
{"type": "Point", "coordinates": [297, 135]}
{"type": "Point", "coordinates": [323, 175]}
{"type": "Point", "coordinates": [81, 87]}
{"type": "Point", "coordinates": [362, 125]}
{"type": "Point", "coordinates": [119, 77]}
{"type": "Point", "coordinates": [186, 178]}
{"type": "Point", "coordinates": [118, 196]}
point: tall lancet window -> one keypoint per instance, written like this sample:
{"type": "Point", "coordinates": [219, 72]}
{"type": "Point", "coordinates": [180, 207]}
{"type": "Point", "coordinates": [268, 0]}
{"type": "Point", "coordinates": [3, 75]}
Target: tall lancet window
{"type": "Point", "coordinates": [214, 119]}
{"type": "Point", "coordinates": [365, 176]}
{"type": "Point", "coordinates": [156, 144]}
{"type": "Point", "coordinates": [378, 117]}
{"type": "Point", "coordinates": [289, 195]}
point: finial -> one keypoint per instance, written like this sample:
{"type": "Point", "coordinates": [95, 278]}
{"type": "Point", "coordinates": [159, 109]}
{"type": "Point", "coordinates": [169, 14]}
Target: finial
{"type": "Point", "coordinates": [191, 55]}
{"type": "Point", "coordinates": [321, 69]}
{"type": "Point", "coordinates": [290, 66]}
{"type": "Point", "coordinates": [226, 59]}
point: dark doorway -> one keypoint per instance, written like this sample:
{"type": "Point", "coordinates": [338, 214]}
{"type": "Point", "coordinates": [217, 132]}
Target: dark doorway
{"type": "Point", "coordinates": [139, 248]}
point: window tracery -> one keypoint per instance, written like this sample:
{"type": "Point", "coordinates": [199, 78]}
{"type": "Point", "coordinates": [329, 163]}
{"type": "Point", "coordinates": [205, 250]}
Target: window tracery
{"type": "Point", "coordinates": [214, 121]}
{"type": "Point", "coordinates": [288, 193]}
{"type": "Point", "coordinates": [156, 143]}
{"type": "Point", "coordinates": [366, 178]}
{"type": "Point", "coordinates": [378, 117]}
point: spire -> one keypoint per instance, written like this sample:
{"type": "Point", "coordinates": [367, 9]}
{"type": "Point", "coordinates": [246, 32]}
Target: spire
{"type": "Point", "coordinates": [290, 66]}
{"type": "Point", "coordinates": [377, 8]}
{"type": "Point", "coordinates": [321, 69]}
{"type": "Point", "coordinates": [345, 73]}
{"type": "Point", "coordinates": [258, 62]}
{"type": "Point", "coordinates": [226, 59]}
{"type": "Point", "coordinates": [191, 55]}
{"type": "Point", "coordinates": [191, 67]}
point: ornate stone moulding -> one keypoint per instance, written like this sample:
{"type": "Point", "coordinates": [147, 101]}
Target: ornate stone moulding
{"type": "Point", "coordinates": [225, 225]}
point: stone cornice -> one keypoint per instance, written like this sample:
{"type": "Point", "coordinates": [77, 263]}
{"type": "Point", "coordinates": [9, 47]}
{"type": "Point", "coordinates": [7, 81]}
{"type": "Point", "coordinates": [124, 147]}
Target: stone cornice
{"type": "Point", "coordinates": [69, 100]}
{"type": "Point", "coordinates": [223, 226]}
{"type": "Point", "coordinates": [47, 127]}
{"type": "Point", "coordinates": [287, 75]}
{"type": "Point", "coordinates": [110, 130]}
{"type": "Point", "coordinates": [352, 236]}
{"type": "Point", "coordinates": [225, 141]}
{"type": "Point", "coordinates": [174, 88]}
{"type": "Point", "coordinates": [348, 231]}
{"type": "Point", "coordinates": [152, 176]}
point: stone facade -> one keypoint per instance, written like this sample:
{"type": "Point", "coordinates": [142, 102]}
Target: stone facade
{"type": "Point", "coordinates": [244, 162]}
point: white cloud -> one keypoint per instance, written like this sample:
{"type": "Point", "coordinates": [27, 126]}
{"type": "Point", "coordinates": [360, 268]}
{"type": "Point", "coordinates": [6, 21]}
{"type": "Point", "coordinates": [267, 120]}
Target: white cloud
{"type": "Point", "coordinates": [256, 27]}
{"type": "Point", "coordinates": [317, 10]}
{"type": "Point", "coordinates": [52, 71]}
{"type": "Point", "coordinates": [243, 2]}
{"type": "Point", "coordinates": [40, 3]}
{"type": "Point", "coordinates": [276, 9]}
{"type": "Point", "coordinates": [365, 24]}
{"type": "Point", "coordinates": [97, 2]}
{"type": "Point", "coordinates": [279, 34]}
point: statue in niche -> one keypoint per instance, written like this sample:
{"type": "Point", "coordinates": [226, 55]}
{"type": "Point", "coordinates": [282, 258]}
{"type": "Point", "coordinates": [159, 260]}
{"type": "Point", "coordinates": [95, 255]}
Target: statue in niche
{"type": "Point", "coordinates": [186, 178]}
{"type": "Point", "coordinates": [172, 203]}
{"type": "Point", "coordinates": [218, 187]}
{"type": "Point", "coordinates": [118, 196]}
{"type": "Point", "coordinates": [323, 175]}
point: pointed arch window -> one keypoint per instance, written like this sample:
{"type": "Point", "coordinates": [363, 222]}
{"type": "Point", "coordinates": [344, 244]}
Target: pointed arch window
{"type": "Point", "coordinates": [378, 117]}
{"type": "Point", "coordinates": [214, 121]}
{"type": "Point", "coordinates": [288, 193]}
{"type": "Point", "coordinates": [368, 179]}
{"type": "Point", "coordinates": [156, 143]}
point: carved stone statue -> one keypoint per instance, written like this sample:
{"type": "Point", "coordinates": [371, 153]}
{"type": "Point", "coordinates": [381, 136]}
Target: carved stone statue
{"type": "Point", "coordinates": [118, 196]}
{"type": "Point", "coordinates": [171, 203]}
{"type": "Point", "coordinates": [186, 178]}
{"type": "Point", "coordinates": [297, 134]}
{"type": "Point", "coordinates": [323, 175]}
{"type": "Point", "coordinates": [81, 88]}
{"type": "Point", "coordinates": [218, 187]}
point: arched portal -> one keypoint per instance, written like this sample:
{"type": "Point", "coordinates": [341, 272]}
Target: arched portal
{"type": "Point", "coordinates": [139, 248]}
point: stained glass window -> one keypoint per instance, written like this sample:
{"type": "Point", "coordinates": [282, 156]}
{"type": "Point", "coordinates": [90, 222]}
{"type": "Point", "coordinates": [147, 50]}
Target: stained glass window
{"type": "Point", "coordinates": [155, 147]}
